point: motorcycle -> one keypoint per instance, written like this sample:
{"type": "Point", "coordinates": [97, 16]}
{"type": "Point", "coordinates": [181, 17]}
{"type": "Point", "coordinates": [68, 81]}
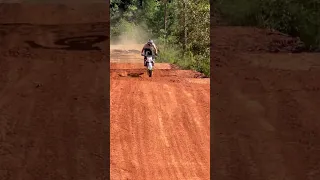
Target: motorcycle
{"type": "Point", "coordinates": [149, 63]}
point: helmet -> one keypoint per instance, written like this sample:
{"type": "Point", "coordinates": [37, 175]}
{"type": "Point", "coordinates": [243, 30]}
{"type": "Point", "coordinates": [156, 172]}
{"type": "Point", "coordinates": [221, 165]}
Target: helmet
{"type": "Point", "coordinates": [150, 41]}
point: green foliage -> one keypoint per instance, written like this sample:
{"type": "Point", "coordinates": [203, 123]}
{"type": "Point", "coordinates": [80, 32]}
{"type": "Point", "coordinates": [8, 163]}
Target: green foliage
{"type": "Point", "coordinates": [202, 64]}
{"type": "Point", "coordinates": [294, 17]}
{"type": "Point", "coordinates": [186, 41]}
{"type": "Point", "coordinates": [180, 29]}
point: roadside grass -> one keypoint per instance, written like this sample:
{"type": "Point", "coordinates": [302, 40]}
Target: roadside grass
{"type": "Point", "coordinates": [174, 55]}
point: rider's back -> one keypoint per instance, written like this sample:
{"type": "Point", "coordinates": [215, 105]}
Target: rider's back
{"type": "Point", "coordinates": [146, 46]}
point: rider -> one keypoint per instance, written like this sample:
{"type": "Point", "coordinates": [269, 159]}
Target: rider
{"type": "Point", "coordinates": [151, 47]}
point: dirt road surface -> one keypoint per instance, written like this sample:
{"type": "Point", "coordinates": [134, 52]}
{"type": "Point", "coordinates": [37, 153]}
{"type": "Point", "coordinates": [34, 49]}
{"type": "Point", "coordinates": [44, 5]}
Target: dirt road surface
{"type": "Point", "coordinates": [53, 92]}
{"type": "Point", "coordinates": [264, 107]}
{"type": "Point", "coordinates": [160, 126]}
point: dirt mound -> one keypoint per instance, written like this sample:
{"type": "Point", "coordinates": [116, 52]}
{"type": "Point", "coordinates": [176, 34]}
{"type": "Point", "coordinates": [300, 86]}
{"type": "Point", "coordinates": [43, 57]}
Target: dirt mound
{"type": "Point", "coordinates": [250, 39]}
{"type": "Point", "coordinates": [84, 36]}
{"type": "Point", "coordinates": [159, 74]}
{"type": "Point", "coordinates": [120, 51]}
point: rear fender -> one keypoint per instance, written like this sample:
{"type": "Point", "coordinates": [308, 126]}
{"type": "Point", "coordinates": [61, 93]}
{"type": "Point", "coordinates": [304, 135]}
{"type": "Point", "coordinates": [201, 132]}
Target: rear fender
{"type": "Point", "coordinates": [150, 65]}
{"type": "Point", "coordinates": [149, 62]}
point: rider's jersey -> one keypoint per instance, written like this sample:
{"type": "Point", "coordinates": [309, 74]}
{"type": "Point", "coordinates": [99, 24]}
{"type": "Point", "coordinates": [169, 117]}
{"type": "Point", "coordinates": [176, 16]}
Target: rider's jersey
{"type": "Point", "coordinates": [152, 47]}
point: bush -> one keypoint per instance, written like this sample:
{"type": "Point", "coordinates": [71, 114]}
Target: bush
{"type": "Point", "coordinates": [294, 17]}
{"type": "Point", "coordinates": [174, 54]}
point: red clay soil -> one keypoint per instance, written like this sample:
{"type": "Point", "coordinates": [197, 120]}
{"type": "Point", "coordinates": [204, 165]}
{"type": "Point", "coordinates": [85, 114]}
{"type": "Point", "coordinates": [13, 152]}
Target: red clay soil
{"type": "Point", "coordinates": [264, 108]}
{"type": "Point", "coordinates": [160, 126]}
{"type": "Point", "coordinates": [53, 102]}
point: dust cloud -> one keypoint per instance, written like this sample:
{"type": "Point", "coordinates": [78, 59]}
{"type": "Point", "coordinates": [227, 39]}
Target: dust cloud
{"type": "Point", "coordinates": [131, 36]}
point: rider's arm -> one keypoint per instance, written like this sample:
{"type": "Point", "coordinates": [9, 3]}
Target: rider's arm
{"type": "Point", "coordinates": [155, 48]}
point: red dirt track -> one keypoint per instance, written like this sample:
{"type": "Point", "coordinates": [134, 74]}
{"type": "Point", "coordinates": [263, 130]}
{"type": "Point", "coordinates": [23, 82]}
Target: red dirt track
{"type": "Point", "coordinates": [265, 107]}
{"type": "Point", "coordinates": [53, 102]}
{"type": "Point", "coordinates": [160, 126]}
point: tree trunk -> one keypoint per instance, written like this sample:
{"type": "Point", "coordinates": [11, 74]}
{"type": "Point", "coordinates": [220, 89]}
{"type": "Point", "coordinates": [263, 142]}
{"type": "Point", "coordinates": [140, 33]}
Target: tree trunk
{"type": "Point", "coordinates": [165, 24]}
{"type": "Point", "coordinates": [185, 25]}
{"type": "Point", "coordinates": [165, 15]}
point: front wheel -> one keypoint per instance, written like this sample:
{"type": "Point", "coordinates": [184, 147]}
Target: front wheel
{"type": "Point", "coordinates": [150, 73]}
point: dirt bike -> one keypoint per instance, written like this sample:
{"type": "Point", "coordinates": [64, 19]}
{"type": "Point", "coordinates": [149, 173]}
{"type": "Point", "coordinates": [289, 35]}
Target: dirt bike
{"type": "Point", "coordinates": [149, 63]}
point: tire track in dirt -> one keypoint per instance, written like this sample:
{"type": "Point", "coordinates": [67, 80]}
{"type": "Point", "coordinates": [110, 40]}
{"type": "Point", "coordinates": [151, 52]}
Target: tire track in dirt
{"type": "Point", "coordinates": [160, 126]}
